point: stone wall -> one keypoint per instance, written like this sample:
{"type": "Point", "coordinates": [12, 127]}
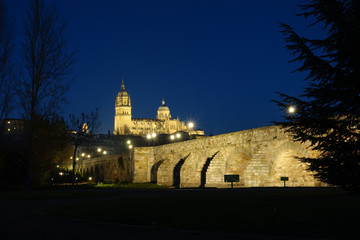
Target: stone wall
{"type": "Point", "coordinates": [111, 168]}
{"type": "Point", "coordinates": [260, 156]}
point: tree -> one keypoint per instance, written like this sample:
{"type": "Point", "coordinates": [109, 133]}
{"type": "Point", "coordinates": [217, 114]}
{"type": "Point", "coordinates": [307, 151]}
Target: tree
{"type": "Point", "coordinates": [82, 127]}
{"type": "Point", "coordinates": [6, 71]}
{"type": "Point", "coordinates": [49, 147]}
{"type": "Point", "coordinates": [328, 112]}
{"type": "Point", "coordinates": [46, 63]}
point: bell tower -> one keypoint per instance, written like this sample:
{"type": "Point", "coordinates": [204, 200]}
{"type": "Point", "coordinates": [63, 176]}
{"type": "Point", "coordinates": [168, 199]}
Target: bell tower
{"type": "Point", "coordinates": [122, 121]}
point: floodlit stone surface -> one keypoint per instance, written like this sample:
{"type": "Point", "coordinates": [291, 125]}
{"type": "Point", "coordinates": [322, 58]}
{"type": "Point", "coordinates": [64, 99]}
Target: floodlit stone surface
{"type": "Point", "coordinates": [260, 156]}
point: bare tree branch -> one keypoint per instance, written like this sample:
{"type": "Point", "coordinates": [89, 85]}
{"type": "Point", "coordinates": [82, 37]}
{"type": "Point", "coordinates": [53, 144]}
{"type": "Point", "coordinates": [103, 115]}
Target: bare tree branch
{"type": "Point", "coordinates": [82, 128]}
{"type": "Point", "coordinates": [47, 61]}
{"type": "Point", "coordinates": [46, 64]}
{"type": "Point", "coordinates": [6, 70]}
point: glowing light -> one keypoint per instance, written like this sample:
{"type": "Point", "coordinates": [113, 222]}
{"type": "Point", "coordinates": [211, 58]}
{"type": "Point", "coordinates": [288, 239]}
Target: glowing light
{"type": "Point", "coordinates": [8, 129]}
{"type": "Point", "coordinates": [104, 152]}
{"type": "Point", "coordinates": [148, 136]}
{"type": "Point", "coordinates": [128, 142]}
{"type": "Point", "coordinates": [90, 178]}
{"type": "Point", "coordinates": [9, 122]}
{"type": "Point", "coordinates": [89, 156]}
{"type": "Point", "coordinates": [61, 173]}
{"type": "Point", "coordinates": [172, 137]}
{"type": "Point", "coordinates": [83, 154]}
{"type": "Point", "coordinates": [57, 166]}
{"type": "Point", "coordinates": [178, 135]}
{"type": "Point", "coordinates": [99, 149]}
{"type": "Point", "coordinates": [190, 124]}
{"type": "Point", "coordinates": [71, 157]}
{"type": "Point", "coordinates": [130, 146]}
{"type": "Point", "coordinates": [291, 109]}
{"type": "Point", "coordinates": [77, 159]}
{"type": "Point", "coordinates": [153, 135]}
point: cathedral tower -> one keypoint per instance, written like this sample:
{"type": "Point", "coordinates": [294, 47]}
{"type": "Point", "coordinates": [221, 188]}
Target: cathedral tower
{"type": "Point", "coordinates": [122, 121]}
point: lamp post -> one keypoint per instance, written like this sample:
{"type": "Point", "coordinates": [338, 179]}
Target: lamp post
{"type": "Point", "coordinates": [190, 127]}
{"type": "Point", "coordinates": [175, 137]}
{"type": "Point", "coordinates": [151, 137]}
{"type": "Point", "coordinates": [291, 109]}
{"type": "Point", "coordinates": [129, 144]}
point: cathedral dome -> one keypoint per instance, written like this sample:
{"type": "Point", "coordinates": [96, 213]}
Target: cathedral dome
{"type": "Point", "coordinates": [163, 112]}
{"type": "Point", "coordinates": [163, 107]}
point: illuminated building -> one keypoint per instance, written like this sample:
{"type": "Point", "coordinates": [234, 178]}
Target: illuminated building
{"type": "Point", "coordinates": [125, 124]}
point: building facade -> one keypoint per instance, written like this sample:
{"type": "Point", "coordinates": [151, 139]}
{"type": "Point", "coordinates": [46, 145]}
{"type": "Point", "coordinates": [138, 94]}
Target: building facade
{"type": "Point", "coordinates": [125, 124]}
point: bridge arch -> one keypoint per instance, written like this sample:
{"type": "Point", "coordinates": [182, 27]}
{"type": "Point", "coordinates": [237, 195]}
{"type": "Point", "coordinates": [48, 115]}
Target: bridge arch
{"type": "Point", "coordinates": [216, 170]}
{"type": "Point", "coordinates": [237, 160]}
{"type": "Point", "coordinates": [154, 171]}
{"type": "Point", "coordinates": [285, 163]}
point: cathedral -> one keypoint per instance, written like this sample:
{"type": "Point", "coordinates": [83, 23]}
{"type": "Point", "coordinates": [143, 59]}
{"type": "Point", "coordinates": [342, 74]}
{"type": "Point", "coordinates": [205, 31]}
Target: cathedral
{"type": "Point", "coordinates": [125, 124]}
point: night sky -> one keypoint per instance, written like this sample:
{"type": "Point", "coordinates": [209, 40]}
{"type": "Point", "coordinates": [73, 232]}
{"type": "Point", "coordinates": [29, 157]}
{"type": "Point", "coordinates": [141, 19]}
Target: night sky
{"type": "Point", "coordinates": [217, 63]}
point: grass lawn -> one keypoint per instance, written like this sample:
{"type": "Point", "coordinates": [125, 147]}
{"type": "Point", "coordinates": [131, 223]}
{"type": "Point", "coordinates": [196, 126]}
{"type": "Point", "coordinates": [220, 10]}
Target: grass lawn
{"type": "Point", "coordinates": [308, 212]}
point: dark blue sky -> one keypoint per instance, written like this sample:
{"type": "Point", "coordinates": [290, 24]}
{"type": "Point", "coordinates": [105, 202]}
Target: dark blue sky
{"type": "Point", "coordinates": [217, 63]}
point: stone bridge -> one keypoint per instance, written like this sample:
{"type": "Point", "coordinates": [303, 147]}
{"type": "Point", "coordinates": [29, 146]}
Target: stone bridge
{"type": "Point", "coordinates": [260, 156]}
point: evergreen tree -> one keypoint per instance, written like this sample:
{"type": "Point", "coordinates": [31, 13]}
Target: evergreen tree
{"type": "Point", "coordinates": [328, 112]}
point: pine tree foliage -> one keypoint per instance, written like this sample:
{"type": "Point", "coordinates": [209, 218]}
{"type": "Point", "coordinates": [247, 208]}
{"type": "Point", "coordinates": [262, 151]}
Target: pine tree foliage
{"type": "Point", "coordinates": [328, 112]}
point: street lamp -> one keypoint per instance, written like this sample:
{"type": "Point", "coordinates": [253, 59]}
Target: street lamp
{"type": "Point", "coordinates": [291, 109]}
{"type": "Point", "coordinates": [151, 137]}
{"type": "Point", "coordinates": [191, 127]}
{"type": "Point", "coordinates": [99, 149]}
{"type": "Point", "coordinates": [128, 142]}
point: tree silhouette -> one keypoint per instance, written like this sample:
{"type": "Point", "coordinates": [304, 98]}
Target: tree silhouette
{"type": "Point", "coordinates": [82, 128]}
{"type": "Point", "coordinates": [328, 112]}
{"type": "Point", "coordinates": [6, 70]}
{"type": "Point", "coordinates": [46, 62]}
